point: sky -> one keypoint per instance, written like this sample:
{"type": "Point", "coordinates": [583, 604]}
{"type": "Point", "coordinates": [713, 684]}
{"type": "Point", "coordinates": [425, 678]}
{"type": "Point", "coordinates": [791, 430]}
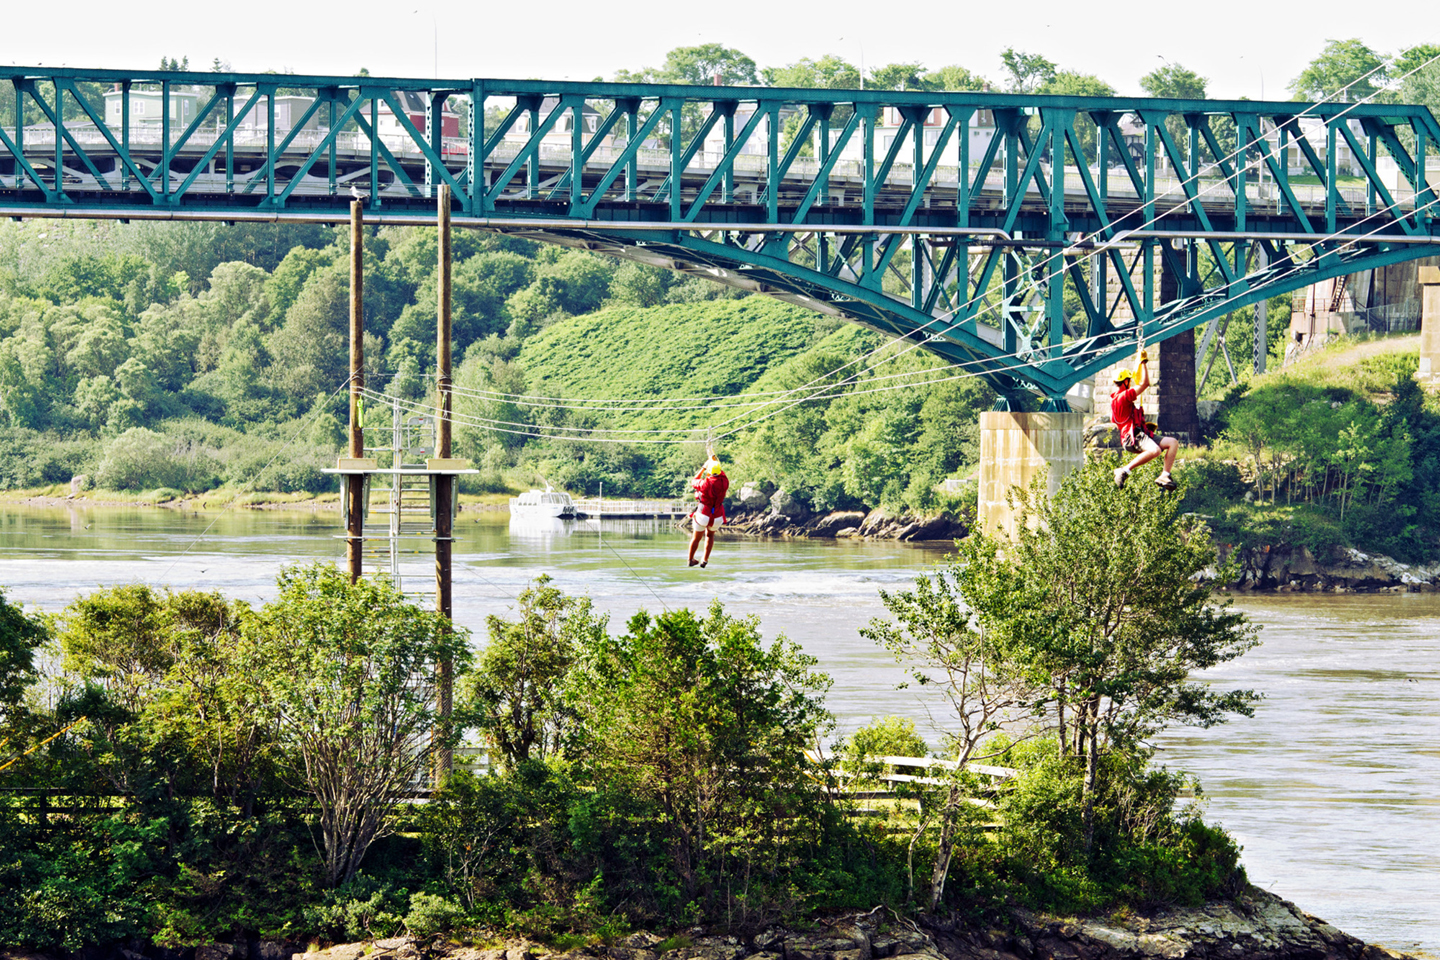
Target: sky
{"type": "Point", "coordinates": [1242, 49]}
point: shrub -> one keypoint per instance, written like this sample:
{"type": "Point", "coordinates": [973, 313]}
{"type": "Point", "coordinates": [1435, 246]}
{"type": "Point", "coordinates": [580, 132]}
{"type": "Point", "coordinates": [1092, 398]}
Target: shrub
{"type": "Point", "coordinates": [431, 915]}
{"type": "Point", "coordinates": [362, 908]}
{"type": "Point", "coordinates": [1144, 854]}
{"type": "Point", "coordinates": [141, 459]}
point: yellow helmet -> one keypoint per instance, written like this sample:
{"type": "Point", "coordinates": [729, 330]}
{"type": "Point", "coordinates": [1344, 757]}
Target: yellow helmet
{"type": "Point", "coordinates": [1122, 375]}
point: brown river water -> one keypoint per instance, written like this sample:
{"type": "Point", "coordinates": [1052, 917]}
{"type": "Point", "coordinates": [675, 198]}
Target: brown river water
{"type": "Point", "coordinates": [1333, 788]}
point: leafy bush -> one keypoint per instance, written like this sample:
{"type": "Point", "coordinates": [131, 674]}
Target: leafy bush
{"type": "Point", "coordinates": [29, 458]}
{"type": "Point", "coordinates": [361, 909]}
{"type": "Point", "coordinates": [1144, 854]}
{"type": "Point", "coordinates": [430, 915]}
{"type": "Point", "coordinates": [142, 459]}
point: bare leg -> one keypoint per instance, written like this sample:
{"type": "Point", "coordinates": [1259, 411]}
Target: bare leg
{"type": "Point", "coordinates": [1171, 446]}
{"type": "Point", "coordinates": [709, 543]}
{"type": "Point", "coordinates": [695, 542]}
{"type": "Point", "coordinates": [1145, 456]}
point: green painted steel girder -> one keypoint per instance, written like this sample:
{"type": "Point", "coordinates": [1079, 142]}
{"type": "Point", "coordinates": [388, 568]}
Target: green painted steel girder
{"type": "Point", "coordinates": [1021, 236]}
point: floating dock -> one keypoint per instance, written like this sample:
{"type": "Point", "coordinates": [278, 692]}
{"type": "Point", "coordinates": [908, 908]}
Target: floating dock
{"type": "Point", "coordinates": [609, 509]}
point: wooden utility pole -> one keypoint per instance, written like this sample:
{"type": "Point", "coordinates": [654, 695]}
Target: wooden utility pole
{"type": "Point", "coordinates": [444, 482]}
{"type": "Point", "coordinates": [355, 482]}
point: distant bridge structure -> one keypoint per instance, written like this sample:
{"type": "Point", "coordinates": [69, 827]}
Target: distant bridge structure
{"type": "Point", "coordinates": [1034, 238]}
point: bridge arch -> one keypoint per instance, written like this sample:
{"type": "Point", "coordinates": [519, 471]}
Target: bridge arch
{"type": "Point", "coordinates": [1022, 235]}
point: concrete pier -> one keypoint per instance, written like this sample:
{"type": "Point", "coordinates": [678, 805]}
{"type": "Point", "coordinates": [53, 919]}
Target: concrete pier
{"type": "Point", "coordinates": [1429, 370]}
{"type": "Point", "coordinates": [1017, 447]}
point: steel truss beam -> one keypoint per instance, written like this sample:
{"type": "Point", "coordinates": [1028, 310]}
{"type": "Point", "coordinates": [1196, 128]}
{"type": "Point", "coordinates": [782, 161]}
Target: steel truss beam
{"type": "Point", "coordinates": [1021, 235]}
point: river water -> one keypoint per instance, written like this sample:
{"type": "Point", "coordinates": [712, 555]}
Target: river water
{"type": "Point", "coordinates": [1333, 788]}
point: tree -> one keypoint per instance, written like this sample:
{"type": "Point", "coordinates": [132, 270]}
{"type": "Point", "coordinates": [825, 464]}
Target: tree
{"type": "Point", "coordinates": [1102, 595]}
{"type": "Point", "coordinates": [309, 351]}
{"type": "Point", "coordinates": [122, 637]}
{"type": "Point", "coordinates": [954, 77]}
{"type": "Point", "coordinates": [709, 64]}
{"type": "Point", "coordinates": [516, 691]}
{"type": "Point", "coordinates": [206, 703]}
{"type": "Point", "coordinates": [983, 674]}
{"type": "Point", "coordinates": [1028, 71]}
{"type": "Point", "coordinates": [897, 76]}
{"type": "Point", "coordinates": [20, 635]}
{"type": "Point", "coordinates": [1174, 81]}
{"type": "Point", "coordinates": [699, 718]}
{"type": "Point", "coordinates": [141, 459]}
{"type": "Point", "coordinates": [829, 72]}
{"type": "Point", "coordinates": [639, 285]}
{"type": "Point", "coordinates": [348, 672]}
{"type": "Point", "coordinates": [1347, 70]}
{"type": "Point", "coordinates": [1419, 77]}
{"type": "Point", "coordinates": [1411, 59]}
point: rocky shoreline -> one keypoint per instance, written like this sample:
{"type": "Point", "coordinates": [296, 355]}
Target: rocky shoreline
{"type": "Point", "coordinates": [1293, 568]}
{"type": "Point", "coordinates": [778, 514]}
{"type": "Point", "coordinates": [1254, 925]}
{"type": "Point", "coordinates": [1282, 568]}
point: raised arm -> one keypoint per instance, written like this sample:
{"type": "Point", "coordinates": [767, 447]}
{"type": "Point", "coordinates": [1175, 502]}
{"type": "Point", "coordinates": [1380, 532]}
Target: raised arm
{"type": "Point", "coordinates": [1142, 376]}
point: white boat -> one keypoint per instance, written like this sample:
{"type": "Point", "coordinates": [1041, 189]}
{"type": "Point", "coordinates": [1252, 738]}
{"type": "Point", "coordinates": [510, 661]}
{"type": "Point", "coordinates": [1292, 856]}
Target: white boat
{"type": "Point", "coordinates": [542, 503]}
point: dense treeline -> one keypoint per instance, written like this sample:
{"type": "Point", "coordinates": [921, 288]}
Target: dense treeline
{"type": "Point", "coordinates": [188, 769]}
{"type": "Point", "coordinates": [145, 358]}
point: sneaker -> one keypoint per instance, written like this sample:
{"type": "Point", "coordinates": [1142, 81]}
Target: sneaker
{"type": "Point", "coordinates": [703, 563]}
{"type": "Point", "coordinates": [694, 562]}
{"type": "Point", "coordinates": [1165, 482]}
{"type": "Point", "coordinates": [1121, 475]}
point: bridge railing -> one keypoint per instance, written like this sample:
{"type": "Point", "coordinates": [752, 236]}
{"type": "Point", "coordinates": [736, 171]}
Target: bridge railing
{"type": "Point", "coordinates": [1168, 190]}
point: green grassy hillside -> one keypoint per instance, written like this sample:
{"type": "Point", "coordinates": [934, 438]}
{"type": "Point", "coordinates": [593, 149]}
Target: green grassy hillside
{"type": "Point", "coordinates": [718, 347]}
{"type": "Point", "coordinates": [1340, 447]}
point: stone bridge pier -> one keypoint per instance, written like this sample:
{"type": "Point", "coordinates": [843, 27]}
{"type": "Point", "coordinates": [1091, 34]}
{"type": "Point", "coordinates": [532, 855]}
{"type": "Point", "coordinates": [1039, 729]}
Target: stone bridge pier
{"type": "Point", "coordinates": [1015, 448]}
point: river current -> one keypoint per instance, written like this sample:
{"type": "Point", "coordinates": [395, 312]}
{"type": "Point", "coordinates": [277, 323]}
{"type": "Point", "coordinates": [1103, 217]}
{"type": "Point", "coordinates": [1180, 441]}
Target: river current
{"type": "Point", "coordinates": [1333, 788]}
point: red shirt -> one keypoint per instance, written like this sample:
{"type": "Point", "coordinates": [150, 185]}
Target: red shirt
{"type": "Point", "coordinates": [1124, 413]}
{"type": "Point", "coordinates": [711, 492]}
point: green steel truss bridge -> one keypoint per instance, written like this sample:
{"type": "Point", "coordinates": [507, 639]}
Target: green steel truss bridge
{"type": "Point", "coordinates": [1033, 238]}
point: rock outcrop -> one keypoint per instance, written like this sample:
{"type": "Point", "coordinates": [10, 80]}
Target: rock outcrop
{"type": "Point", "coordinates": [1292, 567]}
{"type": "Point", "coordinates": [1252, 926]}
{"type": "Point", "coordinates": [782, 515]}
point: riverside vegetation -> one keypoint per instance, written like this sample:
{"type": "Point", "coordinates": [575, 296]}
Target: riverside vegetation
{"type": "Point", "coordinates": [116, 365]}
{"type": "Point", "coordinates": [242, 771]}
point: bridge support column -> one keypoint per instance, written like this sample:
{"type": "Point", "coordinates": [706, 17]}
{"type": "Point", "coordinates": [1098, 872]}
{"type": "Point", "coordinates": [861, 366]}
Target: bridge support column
{"type": "Point", "coordinates": [1015, 448]}
{"type": "Point", "coordinates": [1429, 370]}
{"type": "Point", "coordinates": [1175, 386]}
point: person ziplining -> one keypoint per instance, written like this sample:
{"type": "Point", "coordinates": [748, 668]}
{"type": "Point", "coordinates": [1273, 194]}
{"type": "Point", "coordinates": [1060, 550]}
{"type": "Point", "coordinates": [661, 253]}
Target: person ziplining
{"type": "Point", "coordinates": [710, 485]}
{"type": "Point", "coordinates": [1137, 436]}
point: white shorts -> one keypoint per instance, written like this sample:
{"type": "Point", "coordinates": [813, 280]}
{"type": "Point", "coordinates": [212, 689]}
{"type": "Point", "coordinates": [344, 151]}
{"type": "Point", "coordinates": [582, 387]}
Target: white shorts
{"type": "Point", "coordinates": [1147, 443]}
{"type": "Point", "coordinates": [702, 522]}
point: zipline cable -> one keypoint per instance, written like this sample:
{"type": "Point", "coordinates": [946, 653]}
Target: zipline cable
{"type": "Point", "coordinates": [1035, 284]}
{"type": "Point", "coordinates": [829, 391]}
{"type": "Point", "coordinates": [309, 421]}
{"type": "Point", "coordinates": [1262, 286]}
